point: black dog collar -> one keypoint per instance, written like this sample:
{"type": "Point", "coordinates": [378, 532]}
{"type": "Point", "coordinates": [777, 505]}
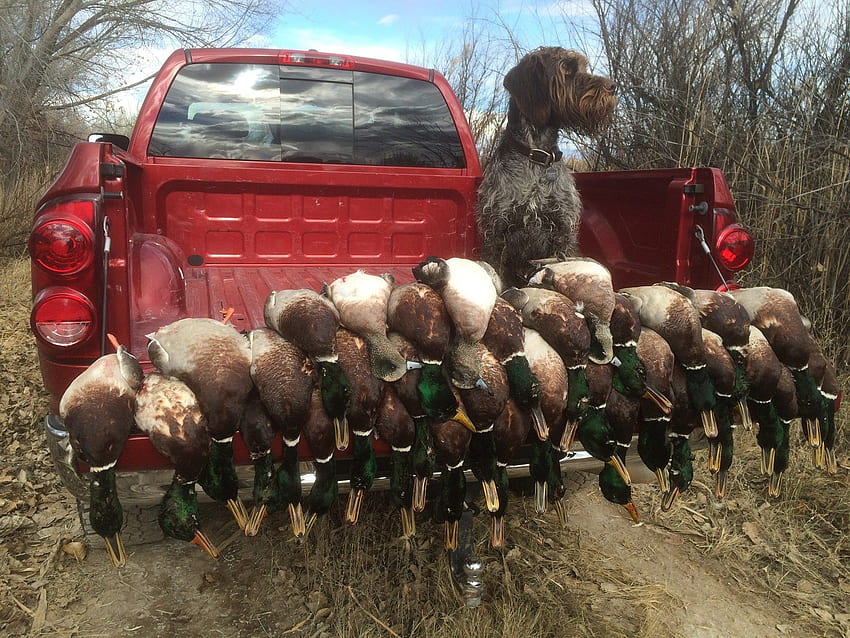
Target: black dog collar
{"type": "Point", "coordinates": [535, 155]}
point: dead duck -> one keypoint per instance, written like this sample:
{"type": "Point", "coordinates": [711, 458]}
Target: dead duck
{"type": "Point", "coordinates": [785, 403]}
{"type": "Point", "coordinates": [319, 432]}
{"type": "Point", "coordinates": [169, 413]}
{"type": "Point", "coordinates": [504, 338]}
{"type": "Point", "coordinates": [654, 445]}
{"type": "Point", "coordinates": [284, 377]}
{"type": "Point", "coordinates": [560, 323]}
{"type": "Point", "coordinates": [622, 413]}
{"type": "Point", "coordinates": [362, 301]}
{"type": "Point", "coordinates": [588, 283]}
{"type": "Point", "coordinates": [826, 380]}
{"type": "Point", "coordinates": [510, 431]}
{"type": "Point", "coordinates": [97, 410]}
{"type": "Point", "coordinates": [544, 465]}
{"type": "Point", "coordinates": [729, 391]}
{"type": "Point", "coordinates": [451, 442]}
{"type": "Point", "coordinates": [310, 321]}
{"type": "Point", "coordinates": [366, 397]}
{"type": "Point", "coordinates": [774, 311]}
{"type": "Point", "coordinates": [483, 408]}
{"type": "Point", "coordinates": [672, 315]}
{"type": "Point", "coordinates": [683, 419]}
{"type": "Point", "coordinates": [258, 434]}
{"type": "Point", "coordinates": [595, 431]}
{"type": "Point", "coordinates": [469, 294]}
{"type": "Point", "coordinates": [214, 360]}
{"type": "Point", "coordinates": [395, 426]}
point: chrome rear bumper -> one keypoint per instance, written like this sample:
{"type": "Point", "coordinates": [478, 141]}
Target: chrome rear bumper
{"type": "Point", "coordinates": [147, 488]}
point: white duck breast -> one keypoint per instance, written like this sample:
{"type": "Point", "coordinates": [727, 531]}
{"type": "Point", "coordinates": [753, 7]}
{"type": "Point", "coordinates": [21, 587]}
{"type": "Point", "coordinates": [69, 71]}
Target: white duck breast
{"type": "Point", "coordinates": [469, 296]}
{"type": "Point", "coordinates": [362, 300]}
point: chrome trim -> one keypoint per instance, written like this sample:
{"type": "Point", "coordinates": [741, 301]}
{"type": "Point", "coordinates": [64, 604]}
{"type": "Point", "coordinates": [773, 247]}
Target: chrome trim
{"type": "Point", "coordinates": [64, 458]}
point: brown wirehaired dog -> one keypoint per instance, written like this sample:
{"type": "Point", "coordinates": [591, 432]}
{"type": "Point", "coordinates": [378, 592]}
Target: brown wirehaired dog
{"type": "Point", "coordinates": [528, 205]}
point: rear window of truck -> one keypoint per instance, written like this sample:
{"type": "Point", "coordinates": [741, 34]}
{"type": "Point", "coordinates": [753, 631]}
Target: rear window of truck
{"type": "Point", "coordinates": [304, 114]}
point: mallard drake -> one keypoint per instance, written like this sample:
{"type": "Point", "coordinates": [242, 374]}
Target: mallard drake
{"type": "Point", "coordinates": [544, 465]}
{"type": "Point", "coordinates": [395, 426]}
{"type": "Point", "coordinates": [595, 432]}
{"type": "Point", "coordinates": [257, 433]}
{"type": "Point", "coordinates": [310, 321]}
{"type": "Point", "coordinates": [683, 419]}
{"type": "Point", "coordinates": [824, 375]}
{"type": "Point", "coordinates": [672, 315]}
{"type": "Point", "coordinates": [170, 414]}
{"type": "Point", "coordinates": [417, 313]}
{"type": "Point", "coordinates": [362, 301]}
{"type": "Point", "coordinates": [588, 283]}
{"type": "Point", "coordinates": [654, 446]}
{"type": "Point", "coordinates": [774, 311]}
{"type": "Point", "coordinates": [559, 322]}
{"type": "Point", "coordinates": [785, 403]}
{"type": "Point", "coordinates": [284, 377]}
{"type": "Point", "coordinates": [630, 376]}
{"type": "Point", "coordinates": [214, 360]}
{"type": "Point", "coordinates": [469, 294]}
{"type": "Point", "coordinates": [97, 410]}
{"type": "Point", "coordinates": [483, 407]}
{"type": "Point", "coordinates": [366, 397]}
{"type": "Point", "coordinates": [505, 340]}
{"type": "Point", "coordinates": [510, 431]}
{"type": "Point", "coordinates": [319, 432]}
{"type": "Point", "coordinates": [451, 442]}
{"type": "Point", "coordinates": [622, 414]}
{"type": "Point", "coordinates": [763, 371]}
{"type": "Point", "coordinates": [729, 392]}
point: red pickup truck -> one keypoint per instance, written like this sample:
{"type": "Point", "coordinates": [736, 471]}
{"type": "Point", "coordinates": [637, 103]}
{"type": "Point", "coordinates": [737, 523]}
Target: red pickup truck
{"type": "Point", "coordinates": [257, 170]}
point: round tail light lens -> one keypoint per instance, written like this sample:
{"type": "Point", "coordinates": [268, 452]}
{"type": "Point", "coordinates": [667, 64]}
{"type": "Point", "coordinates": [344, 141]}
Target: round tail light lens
{"type": "Point", "coordinates": [62, 317]}
{"type": "Point", "coordinates": [734, 247]}
{"type": "Point", "coordinates": [62, 246]}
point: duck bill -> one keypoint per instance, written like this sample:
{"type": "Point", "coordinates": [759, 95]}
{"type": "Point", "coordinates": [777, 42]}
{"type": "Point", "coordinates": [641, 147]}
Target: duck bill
{"type": "Point", "coordinates": [744, 413]}
{"type": "Point", "coordinates": [341, 435]}
{"type": "Point", "coordinates": [462, 418]}
{"type": "Point", "coordinates": [812, 430]}
{"type": "Point", "coordinates": [617, 463]}
{"type": "Point", "coordinates": [715, 451]}
{"type": "Point", "coordinates": [205, 544]}
{"type": "Point", "coordinates": [720, 484]}
{"type": "Point", "coordinates": [491, 496]}
{"type": "Point", "coordinates": [252, 527]}
{"type": "Point", "coordinates": [408, 522]}
{"type": "Point", "coordinates": [775, 486]}
{"type": "Point", "coordinates": [561, 511]}
{"type": "Point", "coordinates": [709, 424]}
{"type": "Point", "coordinates": [819, 458]}
{"type": "Point", "coordinates": [664, 404]}
{"type": "Point", "coordinates": [420, 489]}
{"type": "Point", "coordinates": [296, 519]}
{"type": "Point", "coordinates": [115, 549]}
{"type": "Point", "coordinates": [663, 480]}
{"type": "Point", "coordinates": [768, 456]}
{"type": "Point", "coordinates": [569, 435]}
{"type": "Point", "coordinates": [237, 509]}
{"type": "Point", "coordinates": [669, 499]}
{"type": "Point", "coordinates": [632, 510]}
{"type": "Point", "coordinates": [541, 496]}
{"type": "Point", "coordinates": [309, 522]}
{"type": "Point", "coordinates": [450, 535]}
{"type": "Point", "coordinates": [497, 532]}
{"type": "Point", "coordinates": [352, 510]}
{"type": "Point", "coordinates": [539, 423]}
{"type": "Point", "coordinates": [831, 461]}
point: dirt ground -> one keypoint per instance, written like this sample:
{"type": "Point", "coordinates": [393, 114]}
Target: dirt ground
{"type": "Point", "coordinates": [747, 566]}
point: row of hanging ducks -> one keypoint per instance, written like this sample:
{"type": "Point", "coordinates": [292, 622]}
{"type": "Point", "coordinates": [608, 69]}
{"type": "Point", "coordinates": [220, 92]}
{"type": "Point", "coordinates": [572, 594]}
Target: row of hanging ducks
{"type": "Point", "coordinates": [453, 372]}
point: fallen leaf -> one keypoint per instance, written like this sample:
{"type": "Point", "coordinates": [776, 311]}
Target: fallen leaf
{"type": "Point", "coordinates": [753, 532]}
{"type": "Point", "coordinates": [75, 549]}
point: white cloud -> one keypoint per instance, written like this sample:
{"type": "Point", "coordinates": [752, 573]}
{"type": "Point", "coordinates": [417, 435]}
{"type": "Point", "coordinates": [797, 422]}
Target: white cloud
{"type": "Point", "coordinates": [389, 19]}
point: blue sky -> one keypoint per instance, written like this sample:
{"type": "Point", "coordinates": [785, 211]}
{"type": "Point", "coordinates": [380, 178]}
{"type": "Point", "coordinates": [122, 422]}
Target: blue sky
{"type": "Point", "coordinates": [408, 31]}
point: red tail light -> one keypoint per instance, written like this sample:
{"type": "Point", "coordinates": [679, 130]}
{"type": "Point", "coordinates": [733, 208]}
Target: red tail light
{"type": "Point", "coordinates": [62, 316]}
{"type": "Point", "coordinates": [63, 244]}
{"type": "Point", "coordinates": [734, 248]}
{"type": "Point", "coordinates": [313, 58]}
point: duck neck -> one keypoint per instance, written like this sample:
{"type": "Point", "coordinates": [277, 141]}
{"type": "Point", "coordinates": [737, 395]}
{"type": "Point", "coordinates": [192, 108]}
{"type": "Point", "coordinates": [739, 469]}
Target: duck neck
{"type": "Point", "coordinates": [178, 514]}
{"type": "Point", "coordinates": [105, 512]}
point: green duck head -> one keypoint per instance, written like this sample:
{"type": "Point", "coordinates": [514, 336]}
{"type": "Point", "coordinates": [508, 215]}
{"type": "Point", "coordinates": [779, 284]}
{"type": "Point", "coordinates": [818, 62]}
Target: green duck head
{"type": "Point", "coordinates": [808, 395]}
{"type": "Point", "coordinates": [288, 478]}
{"type": "Point", "coordinates": [178, 516]}
{"type": "Point", "coordinates": [629, 371]}
{"type": "Point", "coordinates": [616, 490]}
{"type": "Point", "coordinates": [336, 392]}
{"type": "Point", "coordinates": [577, 390]}
{"type": "Point", "coordinates": [438, 401]}
{"type": "Point", "coordinates": [525, 390]}
{"type": "Point", "coordinates": [325, 489]}
{"type": "Point", "coordinates": [218, 478]}
{"type": "Point", "coordinates": [106, 514]}
{"type": "Point", "coordinates": [681, 471]}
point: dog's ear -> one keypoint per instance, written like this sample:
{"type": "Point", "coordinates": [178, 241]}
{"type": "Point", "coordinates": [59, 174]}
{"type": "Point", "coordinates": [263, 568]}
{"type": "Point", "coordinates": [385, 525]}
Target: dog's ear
{"type": "Point", "coordinates": [528, 85]}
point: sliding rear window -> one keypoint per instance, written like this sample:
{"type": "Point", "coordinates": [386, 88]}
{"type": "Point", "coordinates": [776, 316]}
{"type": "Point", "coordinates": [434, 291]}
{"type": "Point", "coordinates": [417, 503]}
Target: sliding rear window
{"type": "Point", "coordinates": [304, 114]}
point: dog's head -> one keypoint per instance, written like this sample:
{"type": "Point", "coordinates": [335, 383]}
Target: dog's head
{"type": "Point", "coordinates": [551, 87]}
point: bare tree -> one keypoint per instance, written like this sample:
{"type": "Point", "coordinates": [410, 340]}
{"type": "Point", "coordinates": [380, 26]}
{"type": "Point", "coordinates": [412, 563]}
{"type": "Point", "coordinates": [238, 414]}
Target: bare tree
{"type": "Point", "coordinates": [58, 55]}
